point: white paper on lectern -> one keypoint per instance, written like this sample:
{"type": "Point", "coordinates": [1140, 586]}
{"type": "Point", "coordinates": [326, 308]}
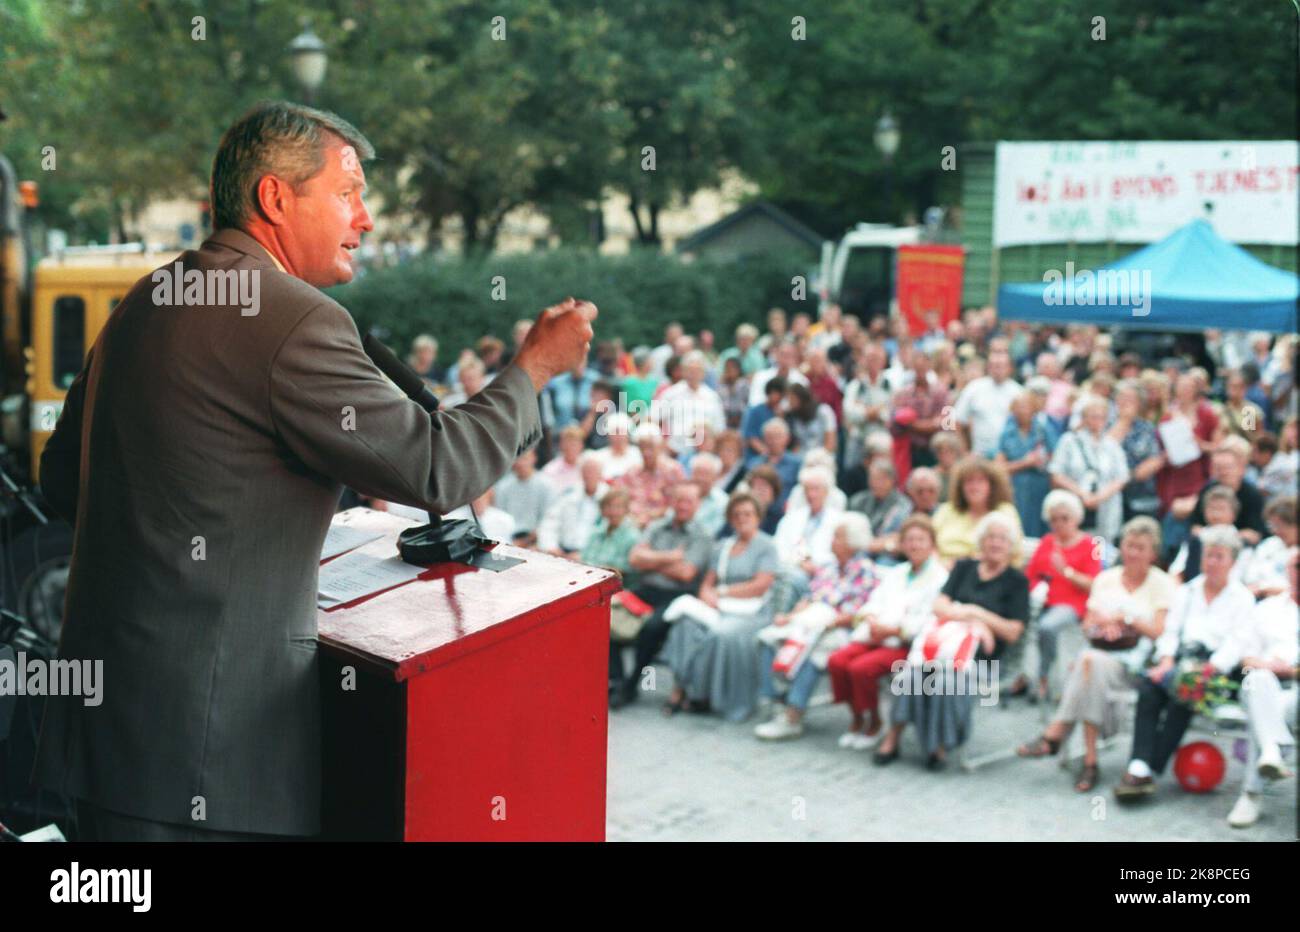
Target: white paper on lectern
{"type": "Point", "coordinates": [341, 538]}
{"type": "Point", "coordinates": [1180, 442]}
{"type": "Point", "coordinates": [355, 575]}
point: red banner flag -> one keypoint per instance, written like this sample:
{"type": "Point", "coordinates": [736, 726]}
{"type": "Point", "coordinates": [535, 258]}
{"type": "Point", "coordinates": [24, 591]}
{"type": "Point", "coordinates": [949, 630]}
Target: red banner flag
{"type": "Point", "coordinates": [929, 281]}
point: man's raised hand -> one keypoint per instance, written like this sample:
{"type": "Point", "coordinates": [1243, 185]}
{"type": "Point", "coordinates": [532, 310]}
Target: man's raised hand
{"type": "Point", "coordinates": [558, 341]}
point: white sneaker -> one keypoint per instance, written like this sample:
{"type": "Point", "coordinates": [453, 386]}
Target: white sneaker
{"type": "Point", "coordinates": [863, 742]}
{"type": "Point", "coordinates": [1245, 813]}
{"type": "Point", "coordinates": [1270, 764]}
{"type": "Point", "coordinates": [847, 739]}
{"type": "Point", "coordinates": [778, 729]}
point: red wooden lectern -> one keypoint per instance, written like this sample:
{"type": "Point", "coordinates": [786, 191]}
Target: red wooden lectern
{"type": "Point", "coordinates": [480, 703]}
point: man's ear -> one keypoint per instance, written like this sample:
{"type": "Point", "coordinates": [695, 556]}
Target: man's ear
{"type": "Point", "coordinates": [272, 199]}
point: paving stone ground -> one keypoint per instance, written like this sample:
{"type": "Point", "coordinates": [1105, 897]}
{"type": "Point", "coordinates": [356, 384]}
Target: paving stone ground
{"type": "Point", "coordinates": [698, 778]}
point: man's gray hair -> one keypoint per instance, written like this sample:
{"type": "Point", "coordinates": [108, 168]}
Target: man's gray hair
{"type": "Point", "coordinates": [923, 472]}
{"type": "Point", "coordinates": [1221, 536]}
{"type": "Point", "coordinates": [274, 138]}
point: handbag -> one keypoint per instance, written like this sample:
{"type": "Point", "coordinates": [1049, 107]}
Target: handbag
{"type": "Point", "coordinates": [798, 640]}
{"type": "Point", "coordinates": [690, 606]}
{"type": "Point", "coordinates": [1090, 482]}
{"type": "Point", "coordinates": [1126, 641]}
{"type": "Point", "coordinates": [627, 615]}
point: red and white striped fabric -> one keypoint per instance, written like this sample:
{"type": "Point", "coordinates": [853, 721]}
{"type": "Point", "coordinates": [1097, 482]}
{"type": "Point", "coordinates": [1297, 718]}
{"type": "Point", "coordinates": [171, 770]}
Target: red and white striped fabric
{"type": "Point", "coordinates": [944, 642]}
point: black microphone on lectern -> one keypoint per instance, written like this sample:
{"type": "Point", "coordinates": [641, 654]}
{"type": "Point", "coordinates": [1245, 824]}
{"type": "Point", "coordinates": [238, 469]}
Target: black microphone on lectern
{"type": "Point", "coordinates": [403, 376]}
{"type": "Point", "coordinates": [407, 381]}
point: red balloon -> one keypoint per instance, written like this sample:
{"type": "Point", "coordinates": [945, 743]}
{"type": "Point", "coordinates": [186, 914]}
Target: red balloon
{"type": "Point", "coordinates": [1199, 767]}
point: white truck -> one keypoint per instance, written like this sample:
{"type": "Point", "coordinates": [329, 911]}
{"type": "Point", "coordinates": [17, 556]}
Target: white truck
{"type": "Point", "coordinates": [858, 272]}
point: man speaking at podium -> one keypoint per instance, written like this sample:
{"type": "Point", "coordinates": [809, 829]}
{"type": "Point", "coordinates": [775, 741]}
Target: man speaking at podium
{"type": "Point", "coordinates": [200, 457]}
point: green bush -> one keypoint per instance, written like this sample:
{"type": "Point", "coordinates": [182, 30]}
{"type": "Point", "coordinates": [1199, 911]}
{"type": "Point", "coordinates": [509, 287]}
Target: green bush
{"type": "Point", "coordinates": [637, 295]}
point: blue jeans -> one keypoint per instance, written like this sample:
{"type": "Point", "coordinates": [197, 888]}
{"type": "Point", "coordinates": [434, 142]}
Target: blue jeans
{"type": "Point", "coordinates": [801, 687]}
{"type": "Point", "coordinates": [1172, 533]}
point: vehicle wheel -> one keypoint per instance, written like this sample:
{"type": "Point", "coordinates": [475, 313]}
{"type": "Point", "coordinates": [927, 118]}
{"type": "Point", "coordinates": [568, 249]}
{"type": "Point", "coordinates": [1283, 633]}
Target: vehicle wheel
{"type": "Point", "coordinates": [41, 556]}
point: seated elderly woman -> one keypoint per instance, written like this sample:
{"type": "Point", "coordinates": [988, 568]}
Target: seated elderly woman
{"type": "Point", "coordinates": [1204, 625]}
{"type": "Point", "coordinates": [825, 459]}
{"type": "Point", "coordinates": [899, 606]}
{"type": "Point", "coordinates": [1266, 574]}
{"type": "Point", "coordinates": [985, 603]}
{"type": "Point", "coordinates": [1126, 604]}
{"type": "Point", "coordinates": [1066, 560]}
{"type": "Point", "coordinates": [611, 541]}
{"type": "Point", "coordinates": [819, 622]}
{"type": "Point", "coordinates": [978, 488]}
{"type": "Point", "coordinates": [885, 506]}
{"type": "Point", "coordinates": [803, 537]}
{"type": "Point", "coordinates": [711, 646]}
{"type": "Point", "coordinates": [1269, 659]}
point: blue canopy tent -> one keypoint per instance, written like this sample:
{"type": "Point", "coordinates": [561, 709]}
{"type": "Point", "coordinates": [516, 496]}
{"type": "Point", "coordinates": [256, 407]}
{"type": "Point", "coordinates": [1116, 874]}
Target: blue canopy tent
{"type": "Point", "coordinates": [1191, 280]}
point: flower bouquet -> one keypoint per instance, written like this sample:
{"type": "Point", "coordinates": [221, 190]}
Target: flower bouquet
{"type": "Point", "coordinates": [1200, 687]}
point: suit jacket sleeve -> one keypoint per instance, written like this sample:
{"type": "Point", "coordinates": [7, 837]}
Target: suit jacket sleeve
{"type": "Point", "coordinates": [344, 419]}
{"type": "Point", "coordinates": [61, 458]}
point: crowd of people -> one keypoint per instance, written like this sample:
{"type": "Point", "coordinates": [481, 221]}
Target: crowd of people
{"type": "Point", "coordinates": [857, 500]}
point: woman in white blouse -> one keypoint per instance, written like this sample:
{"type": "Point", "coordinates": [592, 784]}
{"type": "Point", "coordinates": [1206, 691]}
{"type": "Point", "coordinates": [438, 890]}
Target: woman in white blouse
{"type": "Point", "coordinates": [1269, 658]}
{"type": "Point", "coordinates": [1207, 622]}
{"type": "Point", "coordinates": [803, 536]}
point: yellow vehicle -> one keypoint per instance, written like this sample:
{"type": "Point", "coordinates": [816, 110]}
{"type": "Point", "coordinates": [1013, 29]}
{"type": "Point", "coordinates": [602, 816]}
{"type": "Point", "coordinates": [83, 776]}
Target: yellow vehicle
{"type": "Point", "coordinates": [72, 295]}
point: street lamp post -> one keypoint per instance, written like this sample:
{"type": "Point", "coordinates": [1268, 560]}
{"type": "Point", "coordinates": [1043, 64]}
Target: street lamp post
{"type": "Point", "coordinates": [887, 138]}
{"type": "Point", "coordinates": [308, 57]}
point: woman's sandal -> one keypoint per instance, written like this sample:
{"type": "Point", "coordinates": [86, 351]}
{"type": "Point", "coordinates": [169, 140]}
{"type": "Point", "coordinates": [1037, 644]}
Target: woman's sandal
{"type": "Point", "coordinates": [1042, 746]}
{"type": "Point", "coordinates": [885, 757]}
{"type": "Point", "coordinates": [673, 706]}
{"type": "Point", "coordinates": [1089, 776]}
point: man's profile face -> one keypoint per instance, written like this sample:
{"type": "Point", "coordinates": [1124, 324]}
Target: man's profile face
{"type": "Point", "coordinates": [327, 217]}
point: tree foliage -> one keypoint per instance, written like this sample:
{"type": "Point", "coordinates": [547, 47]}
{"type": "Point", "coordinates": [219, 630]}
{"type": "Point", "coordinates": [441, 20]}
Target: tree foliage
{"type": "Point", "coordinates": [557, 106]}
